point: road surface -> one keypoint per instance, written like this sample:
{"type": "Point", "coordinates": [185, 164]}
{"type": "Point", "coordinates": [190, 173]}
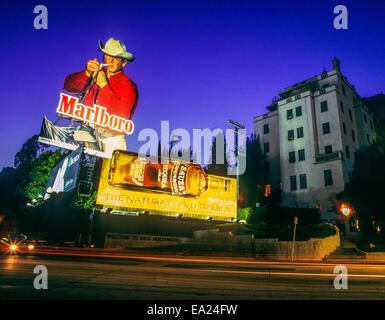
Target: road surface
{"type": "Point", "coordinates": [150, 276]}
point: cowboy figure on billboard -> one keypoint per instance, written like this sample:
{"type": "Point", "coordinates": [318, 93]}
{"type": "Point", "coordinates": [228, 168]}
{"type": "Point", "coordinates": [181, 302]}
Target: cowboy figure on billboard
{"type": "Point", "coordinates": [105, 84]}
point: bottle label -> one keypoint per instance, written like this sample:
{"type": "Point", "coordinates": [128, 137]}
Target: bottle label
{"type": "Point", "coordinates": [137, 171]}
{"type": "Point", "coordinates": [163, 176]}
{"type": "Point", "coordinates": [179, 178]}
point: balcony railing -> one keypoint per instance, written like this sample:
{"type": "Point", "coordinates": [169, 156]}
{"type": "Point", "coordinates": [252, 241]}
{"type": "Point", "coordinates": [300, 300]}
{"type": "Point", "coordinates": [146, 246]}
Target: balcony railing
{"type": "Point", "coordinates": [336, 155]}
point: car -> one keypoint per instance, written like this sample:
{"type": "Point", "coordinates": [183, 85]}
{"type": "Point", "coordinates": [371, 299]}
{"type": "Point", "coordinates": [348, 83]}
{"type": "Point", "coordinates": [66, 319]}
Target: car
{"type": "Point", "coordinates": [18, 244]}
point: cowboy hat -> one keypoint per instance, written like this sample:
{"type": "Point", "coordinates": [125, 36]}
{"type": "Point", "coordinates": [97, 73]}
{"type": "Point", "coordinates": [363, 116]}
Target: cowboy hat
{"type": "Point", "coordinates": [116, 48]}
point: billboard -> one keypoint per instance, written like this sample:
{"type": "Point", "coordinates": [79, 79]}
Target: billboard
{"type": "Point", "coordinates": [129, 183]}
{"type": "Point", "coordinates": [91, 126]}
{"type": "Point", "coordinates": [63, 176]}
{"type": "Point", "coordinates": [71, 107]}
{"type": "Point", "coordinates": [101, 109]}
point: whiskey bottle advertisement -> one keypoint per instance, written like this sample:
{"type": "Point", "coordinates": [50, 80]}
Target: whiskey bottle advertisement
{"type": "Point", "coordinates": [132, 171]}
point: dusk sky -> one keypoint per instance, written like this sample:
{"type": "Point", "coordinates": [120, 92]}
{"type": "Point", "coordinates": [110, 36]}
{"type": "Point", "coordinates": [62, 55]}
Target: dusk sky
{"type": "Point", "coordinates": [198, 63]}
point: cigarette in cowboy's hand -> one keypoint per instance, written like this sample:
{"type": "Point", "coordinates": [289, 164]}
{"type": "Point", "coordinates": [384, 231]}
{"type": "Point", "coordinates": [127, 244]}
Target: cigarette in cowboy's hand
{"type": "Point", "coordinates": [102, 65]}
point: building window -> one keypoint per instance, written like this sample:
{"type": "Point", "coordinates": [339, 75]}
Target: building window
{"type": "Point", "coordinates": [324, 106]}
{"type": "Point", "coordinates": [328, 149]}
{"type": "Point", "coordinates": [293, 183]}
{"type": "Point", "coordinates": [365, 118]}
{"type": "Point", "coordinates": [290, 135]}
{"type": "Point", "coordinates": [267, 166]}
{"type": "Point", "coordinates": [289, 114]}
{"type": "Point", "coordinates": [301, 155]}
{"type": "Point", "coordinates": [266, 147]}
{"type": "Point", "coordinates": [350, 175]}
{"type": "Point", "coordinates": [344, 127]}
{"type": "Point", "coordinates": [298, 111]}
{"type": "Point", "coordinates": [328, 178]}
{"type": "Point", "coordinates": [347, 152]}
{"type": "Point", "coordinates": [265, 128]}
{"type": "Point", "coordinates": [343, 90]}
{"type": "Point", "coordinates": [342, 107]}
{"type": "Point", "coordinates": [302, 181]}
{"type": "Point", "coordinates": [371, 124]}
{"type": "Point", "coordinates": [300, 132]}
{"type": "Point", "coordinates": [326, 128]}
{"type": "Point", "coordinates": [291, 156]}
{"type": "Point", "coordinates": [367, 137]}
{"type": "Point", "coordinates": [353, 136]}
{"type": "Point", "coordinates": [350, 115]}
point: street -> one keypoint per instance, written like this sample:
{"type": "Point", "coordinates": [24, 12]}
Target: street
{"type": "Point", "coordinates": [138, 275]}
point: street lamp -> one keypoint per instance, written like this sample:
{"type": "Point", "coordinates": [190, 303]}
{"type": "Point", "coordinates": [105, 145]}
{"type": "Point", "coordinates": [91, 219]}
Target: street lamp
{"type": "Point", "coordinates": [172, 135]}
{"type": "Point", "coordinates": [236, 126]}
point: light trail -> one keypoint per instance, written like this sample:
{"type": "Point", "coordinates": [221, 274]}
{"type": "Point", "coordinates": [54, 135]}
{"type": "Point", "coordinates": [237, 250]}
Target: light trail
{"type": "Point", "coordinates": [299, 274]}
{"type": "Point", "coordinates": [81, 252]}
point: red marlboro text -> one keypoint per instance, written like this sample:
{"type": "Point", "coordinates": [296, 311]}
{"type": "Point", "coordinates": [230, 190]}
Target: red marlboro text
{"type": "Point", "coordinates": [98, 115]}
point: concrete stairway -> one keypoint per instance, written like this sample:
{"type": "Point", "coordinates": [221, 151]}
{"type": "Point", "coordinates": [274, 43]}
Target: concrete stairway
{"type": "Point", "coordinates": [347, 251]}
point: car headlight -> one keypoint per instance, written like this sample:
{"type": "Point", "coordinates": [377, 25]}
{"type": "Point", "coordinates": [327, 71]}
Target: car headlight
{"type": "Point", "coordinates": [31, 247]}
{"type": "Point", "coordinates": [13, 247]}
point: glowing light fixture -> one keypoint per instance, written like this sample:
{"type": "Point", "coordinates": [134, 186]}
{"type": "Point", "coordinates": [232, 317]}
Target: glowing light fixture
{"type": "Point", "coordinates": [346, 210]}
{"type": "Point", "coordinates": [267, 190]}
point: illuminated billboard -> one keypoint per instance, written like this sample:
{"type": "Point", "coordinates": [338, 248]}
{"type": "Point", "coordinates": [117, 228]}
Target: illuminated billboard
{"type": "Point", "coordinates": [91, 126]}
{"type": "Point", "coordinates": [128, 182]}
{"type": "Point", "coordinates": [100, 111]}
{"type": "Point", "coordinates": [70, 107]}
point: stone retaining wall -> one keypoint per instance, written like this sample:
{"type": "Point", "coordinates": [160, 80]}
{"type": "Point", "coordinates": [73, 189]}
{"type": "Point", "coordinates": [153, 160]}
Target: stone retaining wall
{"type": "Point", "coordinates": [375, 256]}
{"type": "Point", "coordinates": [124, 240]}
{"type": "Point", "coordinates": [226, 242]}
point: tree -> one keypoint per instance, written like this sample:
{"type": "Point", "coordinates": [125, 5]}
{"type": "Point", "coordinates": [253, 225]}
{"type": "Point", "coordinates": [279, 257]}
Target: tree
{"type": "Point", "coordinates": [9, 179]}
{"type": "Point", "coordinates": [29, 177]}
{"type": "Point", "coordinates": [365, 190]}
{"type": "Point", "coordinates": [30, 150]}
{"type": "Point", "coordinates": [12, 179]}
{"type": "Point", "coordinates": [215, 167]}
{"type": "Point", "coordinates": [35, 181]}
{"type": "Point", "coordinates": [8, 221]}
{"type": "Point", "coordinates": [252, 179]}
{"type": "Point", "coordinates": [379, 124]}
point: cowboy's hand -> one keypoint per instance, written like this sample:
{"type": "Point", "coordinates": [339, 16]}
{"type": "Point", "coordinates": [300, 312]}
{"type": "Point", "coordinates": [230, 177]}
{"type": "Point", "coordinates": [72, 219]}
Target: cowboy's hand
{"type": "Point", "coordinates": [101, 80]}
{"type": "Point", "coordinates": [92, 67]}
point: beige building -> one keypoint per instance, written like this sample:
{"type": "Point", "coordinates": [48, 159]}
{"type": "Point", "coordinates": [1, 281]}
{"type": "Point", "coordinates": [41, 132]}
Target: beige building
{"type": "Point", "coordinates": [310, 136]}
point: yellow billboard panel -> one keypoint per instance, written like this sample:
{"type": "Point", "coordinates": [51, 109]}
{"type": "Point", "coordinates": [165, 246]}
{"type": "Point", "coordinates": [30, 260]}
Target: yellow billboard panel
{"type": "Point", "coordinates": [217, 201]}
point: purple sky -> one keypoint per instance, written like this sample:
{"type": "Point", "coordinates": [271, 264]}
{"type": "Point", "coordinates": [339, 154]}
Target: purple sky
{"type": "Point", "coordinates": [198, 63]}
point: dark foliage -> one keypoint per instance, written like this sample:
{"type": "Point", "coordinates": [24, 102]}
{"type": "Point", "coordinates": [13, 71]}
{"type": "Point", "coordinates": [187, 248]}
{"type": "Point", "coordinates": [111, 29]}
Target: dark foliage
{"type": "Point", "coordinates": [365, 191]}
{"type": "Point", "coordinates": [252, 179]}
